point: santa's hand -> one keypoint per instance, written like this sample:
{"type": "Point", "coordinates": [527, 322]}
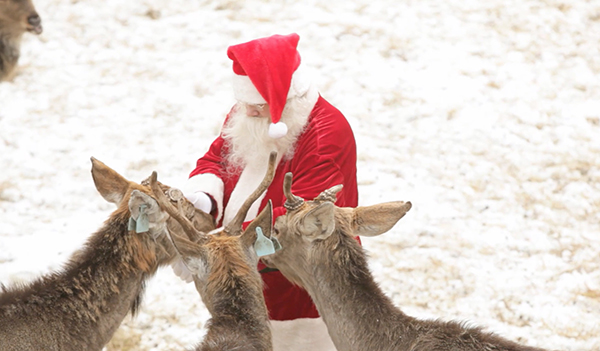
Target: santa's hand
{"type": "Point", "coordinates": [200, 200]}
{"type": "Point", "coordinates": [181, 270]}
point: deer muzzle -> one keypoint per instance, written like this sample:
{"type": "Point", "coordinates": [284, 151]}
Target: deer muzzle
{"type": "Point", "coordinates": [34, 24]}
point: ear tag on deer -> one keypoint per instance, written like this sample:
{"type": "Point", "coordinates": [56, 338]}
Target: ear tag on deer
{"type": "Point", "coordinates": [276, 244]}
{"type": "Point", "coordinates": [263, 245]}
{"type": "Point", "coordinates": [131, 224]}
{"type": "Point", "coordinates": [141, 224]}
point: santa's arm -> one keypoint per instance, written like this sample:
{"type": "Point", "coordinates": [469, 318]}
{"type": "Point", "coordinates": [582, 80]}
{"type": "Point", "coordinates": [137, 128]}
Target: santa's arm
{"type": "Point", "coordinates": [206, 177]}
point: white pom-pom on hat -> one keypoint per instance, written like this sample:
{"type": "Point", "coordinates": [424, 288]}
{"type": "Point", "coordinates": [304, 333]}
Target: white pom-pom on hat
{"type": "Point", "coordinates": [277, 130]}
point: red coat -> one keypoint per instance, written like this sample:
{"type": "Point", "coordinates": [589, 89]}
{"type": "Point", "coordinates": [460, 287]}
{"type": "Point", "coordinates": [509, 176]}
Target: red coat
{"type": "Point", "coordinates": [325, 155]}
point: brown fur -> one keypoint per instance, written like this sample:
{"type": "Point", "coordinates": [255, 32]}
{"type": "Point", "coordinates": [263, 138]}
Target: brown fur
{"type": "Point", "coordinates": [223, 264]}
{"type": "Point", "coordinates": [230, 289]}
{"type": "Point", "coordinates": [82, 305]}
{"type": "Point", "coordinates": [320, 254]}
{"type": "Point", "coordinates": [225, 275]}
{"type": "Point", "coordinates": [16, 18]}
{"type": "Point", "coordinates": [225, 270]}
{"type": "Point", "coordinates": [233, 295]}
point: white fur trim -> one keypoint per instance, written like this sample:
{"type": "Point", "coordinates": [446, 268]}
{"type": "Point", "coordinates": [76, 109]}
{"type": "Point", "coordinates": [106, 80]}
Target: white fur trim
{"type": "Point", "coordinates": [291, 335]}
{"type": "Point", "coordinates": [301, 81]}
{"type": "Point", "coordinates": [249, 180]}
{"type": "Point", "coordinates": [312, 96]}
{"type": "Point", "coordinates": [210, 184]}
{"type": "Point", "coordinates": [245, 91]}
{"type": "Point", "coordinates": [277, 130]}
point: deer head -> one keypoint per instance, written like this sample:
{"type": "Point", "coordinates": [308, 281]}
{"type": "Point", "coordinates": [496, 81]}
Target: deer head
{"type": "Point", "coordinates": [19, 16]}
{"type": "Point", "coordinates": [311, 230]}
{"type": "Point", "coordinates": [147, 220]}
{"type": "Point", "coordinates": [207, 254]}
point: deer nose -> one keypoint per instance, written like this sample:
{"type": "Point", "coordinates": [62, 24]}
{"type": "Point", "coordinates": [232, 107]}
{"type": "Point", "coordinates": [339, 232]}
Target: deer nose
{"type": "Point", "coordinates": [34, 20]}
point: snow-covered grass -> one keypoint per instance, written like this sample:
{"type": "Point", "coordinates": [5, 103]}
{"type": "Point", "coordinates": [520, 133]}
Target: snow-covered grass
{"type": "Point", "coordinates": [484, 114]}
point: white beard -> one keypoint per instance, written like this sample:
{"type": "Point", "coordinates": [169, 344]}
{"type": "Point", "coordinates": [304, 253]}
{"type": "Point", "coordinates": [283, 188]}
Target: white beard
{"type": "Point", "coordinates": [250, 145]}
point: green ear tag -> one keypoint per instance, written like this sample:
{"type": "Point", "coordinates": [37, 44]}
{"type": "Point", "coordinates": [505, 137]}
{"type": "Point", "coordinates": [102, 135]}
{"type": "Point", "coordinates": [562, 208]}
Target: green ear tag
{"type": "Point", "coordinates": [263, 246]}
{"type": "Point", "coordinates": [131, 224]}
{"type": "Point", "coordinates": [142, 224]}
{"type": "Point", "coordinates": [276, 244]}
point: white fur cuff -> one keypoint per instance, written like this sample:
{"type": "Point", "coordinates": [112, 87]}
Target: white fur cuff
{"type": "Point", "coordinates": [210, 184]}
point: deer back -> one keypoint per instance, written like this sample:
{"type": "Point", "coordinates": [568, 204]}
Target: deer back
{"type": "Point", "coordinates": [320, 253]}
{"type": "Point", "coordinates": [82, 305]}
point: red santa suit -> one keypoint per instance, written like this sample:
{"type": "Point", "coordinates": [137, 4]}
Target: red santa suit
{"type": "Point", "coordinates": [324, 156]}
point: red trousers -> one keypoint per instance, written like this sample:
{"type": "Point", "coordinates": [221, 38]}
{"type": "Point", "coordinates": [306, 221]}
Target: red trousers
{"type": "Point", "coordinates": [285, 300]}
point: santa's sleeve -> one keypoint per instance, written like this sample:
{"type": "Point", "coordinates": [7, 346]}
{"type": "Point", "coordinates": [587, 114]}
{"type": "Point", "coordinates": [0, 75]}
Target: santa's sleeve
{"type": "Point", "coordinates": [207, 176]}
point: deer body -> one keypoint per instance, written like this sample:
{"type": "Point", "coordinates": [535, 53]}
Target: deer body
{"type": "Point", "coordinates": [233, 295]}
{"type": "Point", "coordinates": [359, 316]}
{"type": "Point", "coordinates": [89, 298]}
{"type": "Point", "coordinates": [223, 265]}
{"type": "Point", "coordinates": [81, 306]}
{"type": "Point", "coordinates": [320, 254]}
{"type": "Point", "coordinates": [10, 48]}
{"type": "Point", "coordinates": [16, 18]}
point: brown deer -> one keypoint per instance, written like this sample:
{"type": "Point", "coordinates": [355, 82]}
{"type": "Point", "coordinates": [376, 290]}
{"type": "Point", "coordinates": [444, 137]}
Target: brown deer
{"type": "Point", "coordinates": [223, 263]}
{"type": "Point", "coordinates": [16, 18]}
{"type": "Point", "coordinates": [82, 305]}
{"type": "Point", "coordinates": [319, 253]}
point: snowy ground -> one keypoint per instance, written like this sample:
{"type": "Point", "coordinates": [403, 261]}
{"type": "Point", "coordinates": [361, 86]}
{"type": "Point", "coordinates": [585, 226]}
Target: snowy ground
{"type": "Point", "coordinates": [484, 114]}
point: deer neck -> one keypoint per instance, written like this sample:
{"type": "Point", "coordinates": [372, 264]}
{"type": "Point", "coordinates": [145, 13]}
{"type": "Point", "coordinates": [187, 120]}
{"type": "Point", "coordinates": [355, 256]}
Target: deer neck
{"type": "Point", "coordinates": [91, 296]}
{"type": "Point", "coordinates": [354, 308]}
{"type": "Point", "coordinates": [10, 44]}
{"type": "Point", "coordinates": [238, 304]}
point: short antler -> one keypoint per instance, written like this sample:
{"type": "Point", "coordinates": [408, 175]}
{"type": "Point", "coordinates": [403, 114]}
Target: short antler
{"type": "Point", "coordinates": [292, 202]}
{"type": "Point", "coordinates": [166, 205]}
{"type": "Point", "coordinates": [329, 194]}
{"type": "Point", "coordinates": [235, 226]}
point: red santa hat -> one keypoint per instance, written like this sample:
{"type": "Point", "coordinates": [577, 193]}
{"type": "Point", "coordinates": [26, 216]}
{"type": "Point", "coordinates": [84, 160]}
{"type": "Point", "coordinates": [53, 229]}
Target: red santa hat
{"type": "Point", "coordinates": [267, 71]}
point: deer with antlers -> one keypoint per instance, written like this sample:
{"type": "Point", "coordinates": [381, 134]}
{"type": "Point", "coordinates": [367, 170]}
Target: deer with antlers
{"type": "Point", "coordinates": [81, 306]}
{"type": "Point", "coordinates": [223, 264]}
{"type": "Point", "coordinates": [320, 254]}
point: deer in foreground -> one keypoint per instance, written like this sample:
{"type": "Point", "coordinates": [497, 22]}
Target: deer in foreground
{"type": "Point", "coordinates": [81, 306]}
{"type": "Point", "coordinates": [223, 264]}
{"type": "Point", "coordinates": [320, 254]}
{"type": "Point", "coordinates": [16, 18]}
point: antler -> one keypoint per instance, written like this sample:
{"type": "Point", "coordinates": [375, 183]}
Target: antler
{"type": "Point", "coordinates": [235, 226]}
{"type": "Point", "coordinates": [165, 204]}
{"type": "Point", "coordinates": [292, 202]}
{"type": "Point", "coordinates": [329, 194]}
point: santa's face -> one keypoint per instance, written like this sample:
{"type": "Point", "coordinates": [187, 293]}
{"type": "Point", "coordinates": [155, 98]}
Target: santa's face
{"type": "Point", "coordinates": [257, 110]}
{"type": "Point", "coordinates": [246, 133]}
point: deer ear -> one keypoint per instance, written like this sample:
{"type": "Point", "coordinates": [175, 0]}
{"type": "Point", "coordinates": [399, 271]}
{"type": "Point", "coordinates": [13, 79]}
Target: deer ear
{"type": "Point", "coordinates": [264, 220]}
{"type": "Point", "coordinates": [193, 258]}
{"type": "Point", "coordinates": [146, 215]}
{"type": "Point", "coordinates": [377, 219]}
{"type": "Point", "coordinates": [193, 255]}
{"type": "Point", "coordinates": [110, 184]}
{"type": "Point", "coordinates": [318, 223]}
{"type": "Point", "coordinates": [186, 248]}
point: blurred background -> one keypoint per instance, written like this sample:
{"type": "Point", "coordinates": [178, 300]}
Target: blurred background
{"type": "Point", "coordinates": [484, 114]}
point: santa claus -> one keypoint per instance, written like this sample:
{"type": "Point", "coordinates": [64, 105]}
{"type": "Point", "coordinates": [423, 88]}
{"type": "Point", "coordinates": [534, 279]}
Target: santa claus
{"type": "Point", "coordinates": [277, 109]}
